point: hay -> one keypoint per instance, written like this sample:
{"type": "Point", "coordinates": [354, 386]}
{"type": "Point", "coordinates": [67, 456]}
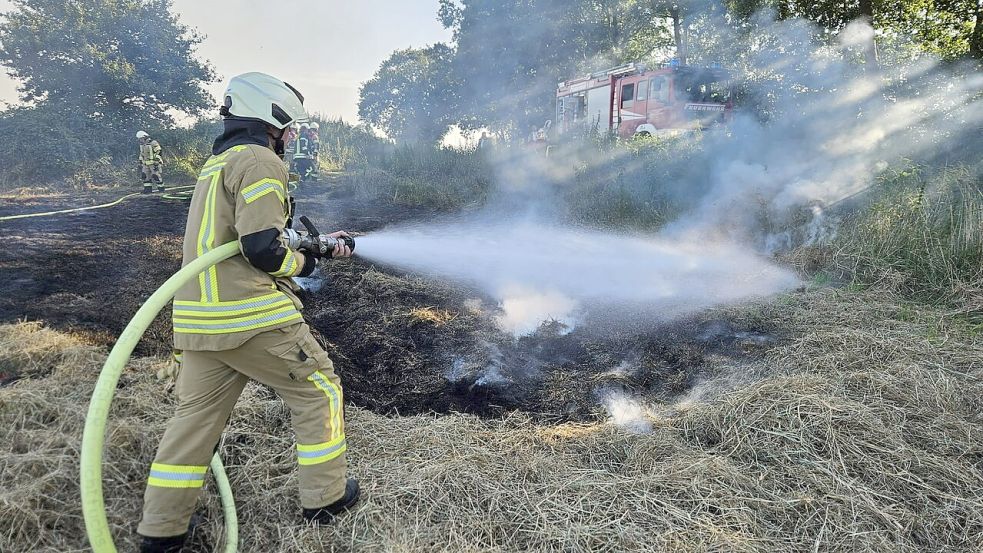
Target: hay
{"type": "Point", "coordinates": [864, 434]}
{"type": "Point", "coordinates": [431, 314]}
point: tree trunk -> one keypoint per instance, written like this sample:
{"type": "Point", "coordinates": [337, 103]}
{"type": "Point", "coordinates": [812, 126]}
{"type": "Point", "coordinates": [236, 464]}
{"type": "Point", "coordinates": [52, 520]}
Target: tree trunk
{"type": "Point", "coordinates": [870, 49]}
{"type": "Point", "coordinates": [677, 33]}
{"type": "Point", "coordinates": [976, 39]}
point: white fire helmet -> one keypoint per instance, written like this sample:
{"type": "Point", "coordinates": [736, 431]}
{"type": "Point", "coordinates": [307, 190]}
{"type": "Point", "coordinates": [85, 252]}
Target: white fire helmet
{"type": "Point", "coordinates": [304, 126]}
{"type": "Point", "coordinates": [265, 98]}
{"type": "Point", "coordinates": [142, 134]}
{"type": "Point", "coordinates": [315, 126]}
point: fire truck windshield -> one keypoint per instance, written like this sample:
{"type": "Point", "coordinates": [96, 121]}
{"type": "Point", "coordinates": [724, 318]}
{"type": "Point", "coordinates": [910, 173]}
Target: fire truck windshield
{"type": "Point", "coordinates": [704, 87]}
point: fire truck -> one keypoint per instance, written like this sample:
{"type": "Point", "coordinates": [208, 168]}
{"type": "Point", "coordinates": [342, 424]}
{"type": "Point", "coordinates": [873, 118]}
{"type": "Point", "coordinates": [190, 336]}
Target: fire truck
{"type": "Point", "coordinates": [633, 100]}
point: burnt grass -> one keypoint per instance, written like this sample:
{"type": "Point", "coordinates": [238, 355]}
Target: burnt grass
{"type": "Point", "coordinates": [401, 343]}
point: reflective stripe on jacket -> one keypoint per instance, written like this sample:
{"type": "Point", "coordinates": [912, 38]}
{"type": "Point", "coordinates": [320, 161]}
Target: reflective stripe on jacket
{"type": "Point", "coordinates": [241, 195]}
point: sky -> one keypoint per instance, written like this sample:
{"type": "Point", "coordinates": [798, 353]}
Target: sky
{"type": "Point", "coordinates": [326, 49]}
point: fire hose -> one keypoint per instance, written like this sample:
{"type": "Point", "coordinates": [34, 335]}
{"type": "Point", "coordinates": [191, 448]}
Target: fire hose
{"type": "Point", "coordinates": [100, 206]}
{"type": "Point", "coordinates": [180, 196]}
{"type": "Point", "coordinates": [94, 433]}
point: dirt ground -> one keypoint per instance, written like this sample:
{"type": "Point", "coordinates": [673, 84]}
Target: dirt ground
{"type": "Point", "coordinates": [401, 343]}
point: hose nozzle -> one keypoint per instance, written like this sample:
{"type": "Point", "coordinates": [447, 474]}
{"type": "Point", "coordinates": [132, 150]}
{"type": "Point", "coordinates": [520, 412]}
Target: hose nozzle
{"type": "Point", "coordinates": [314, 241]}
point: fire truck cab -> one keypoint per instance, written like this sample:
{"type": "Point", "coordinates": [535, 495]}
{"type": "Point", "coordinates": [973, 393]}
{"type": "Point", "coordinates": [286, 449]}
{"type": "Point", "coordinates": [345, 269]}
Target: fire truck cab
{"type": "Point", "coordinates": [633, 100]}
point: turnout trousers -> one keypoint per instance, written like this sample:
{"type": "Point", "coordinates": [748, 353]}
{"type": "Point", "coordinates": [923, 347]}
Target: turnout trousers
{"type": "Point", "coordinates": [291, 362]}
{"type": "Point", "coordinates": [152, 174]}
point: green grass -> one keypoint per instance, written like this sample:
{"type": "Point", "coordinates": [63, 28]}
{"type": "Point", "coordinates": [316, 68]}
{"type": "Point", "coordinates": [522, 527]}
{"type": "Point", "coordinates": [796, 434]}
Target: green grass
{"type": "Point", "coordinates": [347, 147]}
{"type": "Point", "coordinates": [922, 234]}
{"type": "Point", "coordinates": [423, 176]}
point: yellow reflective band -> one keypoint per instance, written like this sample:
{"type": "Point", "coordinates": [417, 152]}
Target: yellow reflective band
{"type": "Point", "coordinates": [263, 187]}
{"type": "Point", "coordinates": [230, 309]}
{"type": "Point", "coordinates": [321, 453]}
{"type": "Point", "coordinates": [221, 157]}
{"type": "Point", "coordinates": [179, 469]}
{"type": "Point", "coordinates": [247, 318]}
{"type": "Point", "coordinates": [232, 303]}
{"type": "Point", "coordinates": [240, 324]}
{"type": "Point", "coordinates": [336, 423]}
{"type": "Point", "coordinates": [165, 483]}
{"type": "Point", "coordinates": [288, 266]}
{"type": "Point", "coordinates": [210, 171]}
{"type": "Point", "coordinates": [339, 418]}
{"type": "Point", "coordinates": [208, 279]}
{"type": "Point", "coordinates": [176, 476]}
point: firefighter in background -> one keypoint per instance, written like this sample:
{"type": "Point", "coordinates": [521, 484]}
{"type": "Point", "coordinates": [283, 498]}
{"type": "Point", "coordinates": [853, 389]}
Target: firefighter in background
{"type": "Point", "coordinates": [151, 163]}
{"type": "Point", "coordinates": [240, 320]}
{"type": "Point", "coordinates": [484, 142]}
{"type": "Point", "coordinates": [313, 149]}
{"type": "Point", "coordinates": [290, 146]}
{"type": "Point", "coordinates": [302, 160]}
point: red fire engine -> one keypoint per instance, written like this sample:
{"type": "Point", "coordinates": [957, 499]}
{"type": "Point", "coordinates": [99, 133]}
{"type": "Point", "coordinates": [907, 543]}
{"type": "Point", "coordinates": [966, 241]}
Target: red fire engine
{"type": "Point", "coordinates": [633, 100]}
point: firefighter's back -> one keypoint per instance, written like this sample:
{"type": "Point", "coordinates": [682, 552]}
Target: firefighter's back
{"type": "Point", "coordinates": [233, 300]}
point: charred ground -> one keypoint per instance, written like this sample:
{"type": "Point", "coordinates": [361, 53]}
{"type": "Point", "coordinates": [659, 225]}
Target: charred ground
{"type": "Point", "coordinates": [402, 343]}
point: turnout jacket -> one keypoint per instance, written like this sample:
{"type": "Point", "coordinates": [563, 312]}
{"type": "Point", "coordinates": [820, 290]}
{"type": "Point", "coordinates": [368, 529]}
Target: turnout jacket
{"type": "Point", "coordinates": [150, 153]}
{"type": "Point", "coordinates": [241, 195]}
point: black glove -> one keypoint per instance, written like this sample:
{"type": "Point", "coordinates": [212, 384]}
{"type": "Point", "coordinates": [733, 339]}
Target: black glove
{"type": "Point", "coordinates": [310, 263]}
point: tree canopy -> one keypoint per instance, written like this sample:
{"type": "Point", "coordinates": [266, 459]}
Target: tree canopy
{"type": "Point", "coordinates": [412, 94]}
{"type": "Point", "coordinates": [91, 73]}
{"type": "Point", "coordinates": [130, 60]}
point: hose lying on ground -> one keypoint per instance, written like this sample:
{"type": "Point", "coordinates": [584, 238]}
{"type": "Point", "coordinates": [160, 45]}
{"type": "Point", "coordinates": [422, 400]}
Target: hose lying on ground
{"type": "Point", "coordinates": [60, 211]}
{"type": "Point", "coordinates": [184, 196]}
{"type": "Point", "coordinates": [94, 433]}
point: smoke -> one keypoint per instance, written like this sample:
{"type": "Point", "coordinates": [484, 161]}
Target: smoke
{"type": "Point", "coordinates": [626, 411]}
{"type": "Point", "coordinates": [831, 126]}
{"type": "Point", "coordinates": [523, 308]}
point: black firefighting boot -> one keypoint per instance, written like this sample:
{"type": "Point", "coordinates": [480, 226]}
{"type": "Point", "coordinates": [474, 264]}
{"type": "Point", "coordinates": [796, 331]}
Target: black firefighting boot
{"type": "Point", "coordinates": [326, 514]}
{"type": "Point", "coordinates": [173, 544]}
{"type": "Point", "coordinates": [147, 188]}
{"type": "Point", "coordinates": [160, 187]}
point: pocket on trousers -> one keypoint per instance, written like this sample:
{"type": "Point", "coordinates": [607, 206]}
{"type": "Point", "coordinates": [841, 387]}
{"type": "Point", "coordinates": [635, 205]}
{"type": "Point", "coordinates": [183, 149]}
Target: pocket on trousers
{"type": "Point", "coordinates": [302, 356]}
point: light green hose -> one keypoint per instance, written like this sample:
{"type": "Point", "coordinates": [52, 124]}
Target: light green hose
{"type": "Point", "coordinates": [94, 434]}
{"type": "Point", "coordinates": [76, 209]}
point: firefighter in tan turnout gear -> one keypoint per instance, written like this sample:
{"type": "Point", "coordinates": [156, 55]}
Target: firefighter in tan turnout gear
{"type": "Point", "coordinates": [240, 320]}
{"type": "Point", "coordinates": [151, 163]}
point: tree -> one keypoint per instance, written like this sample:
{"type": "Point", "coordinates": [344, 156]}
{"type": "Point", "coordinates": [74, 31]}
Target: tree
{"type": "Point", "coordinates": [944, 28]}
{"type": "Point", "coordinates": [412, 95]}
{"type": "Point", "coordinates": [127, 60]}
{"type": "Point", "coordinates": [976, 42]}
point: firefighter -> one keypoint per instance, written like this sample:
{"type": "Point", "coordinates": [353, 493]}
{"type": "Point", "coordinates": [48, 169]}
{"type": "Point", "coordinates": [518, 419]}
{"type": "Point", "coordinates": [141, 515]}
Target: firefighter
{"type": "Point", "coordinates": [301, 152]}
{"type": "Point", "coordinates": [151, 163]}
{"type": "Point", "coordinates": [290, 147]}
{"type": "Point", "coordinates": [313, 149]}
{"type": "Point", "coordinates": [240, 320]}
